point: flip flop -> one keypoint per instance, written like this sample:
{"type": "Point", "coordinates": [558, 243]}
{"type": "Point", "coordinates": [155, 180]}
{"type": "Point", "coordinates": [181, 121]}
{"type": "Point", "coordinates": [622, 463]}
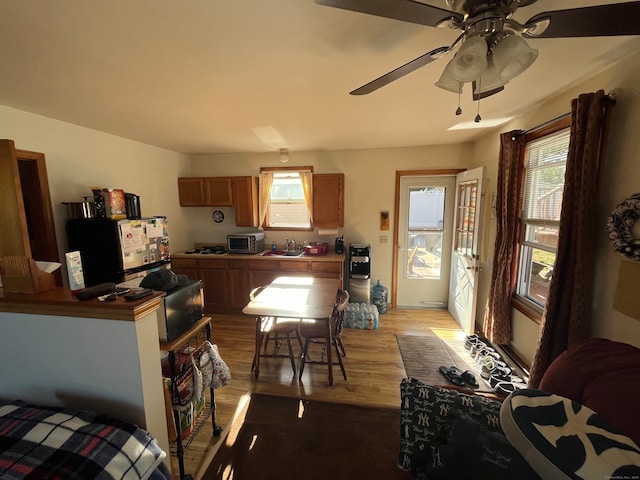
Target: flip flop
{"type": "Point", "coordinates": [469, 378]}
{"type": "Point", "coordinates": [453, 377]}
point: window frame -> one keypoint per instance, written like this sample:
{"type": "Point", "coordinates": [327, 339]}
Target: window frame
{"type": "Point", "coordinates": [283, 169]}
{"type": "Point", "coordinates": [524, 305]}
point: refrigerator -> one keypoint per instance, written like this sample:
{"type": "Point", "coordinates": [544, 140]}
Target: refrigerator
{"type": "Point", "coordinates": [119, 250]}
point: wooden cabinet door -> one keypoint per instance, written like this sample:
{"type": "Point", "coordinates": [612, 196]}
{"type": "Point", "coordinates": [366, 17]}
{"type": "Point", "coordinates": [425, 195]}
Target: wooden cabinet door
{"type": "Point", "coordinates": [262, 272]}
{"type": "Point", "coordinates": [327, 270]}
{"type": "Point", "coordinates": [218, 191]}
{"type": "Point", "coordinates": [191, 192]}
{"type": "Point", "coordinates": [213, 274]}
{"type": "Point", "coordinates": [328, 200]}
{"type": "Point", "coordinates": [238, 284]}
{"type": "Point", "coordinates": [185, 266]}
{"type": "Point", "coordinates": [245, 201]}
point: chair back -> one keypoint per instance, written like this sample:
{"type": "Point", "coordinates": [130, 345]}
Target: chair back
{"type": "Point", "coordinates": [337, 313]}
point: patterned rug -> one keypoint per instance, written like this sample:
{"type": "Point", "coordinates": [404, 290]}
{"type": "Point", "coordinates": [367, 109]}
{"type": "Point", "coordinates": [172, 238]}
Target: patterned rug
{"type": "Point", "coordinates": [422, 355]}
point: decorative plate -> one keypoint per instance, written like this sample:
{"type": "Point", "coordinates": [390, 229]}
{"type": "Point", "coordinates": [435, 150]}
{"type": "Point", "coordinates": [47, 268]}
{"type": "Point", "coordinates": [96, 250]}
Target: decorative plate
{"type": "Point", "coordinates": [217, 216]}
{"type": "Point", "coordinates": [620, 225]}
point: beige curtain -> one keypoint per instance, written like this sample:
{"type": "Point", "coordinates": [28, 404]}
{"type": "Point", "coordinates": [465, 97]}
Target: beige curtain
{"type": "Point", "coordinates": [307, 182]}
{"type": "Point", "coordinates": [567, 315]}
{"type": "Point", "coordinates": [265, 181]}
{"type": "Point", "coordinates": [497, 319]}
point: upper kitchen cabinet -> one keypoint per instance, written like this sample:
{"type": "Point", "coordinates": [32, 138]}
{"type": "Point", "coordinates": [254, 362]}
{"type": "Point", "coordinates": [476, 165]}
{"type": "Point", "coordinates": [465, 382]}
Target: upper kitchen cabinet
{"type": "Point", "coordinates": [241, 193]}
{"type": "Point", "coordinates": [245, 201]}
{"type": "Point", "coordinates": [218, 191]}
{"type": "Point", "coordinates": [191, 192]}
{"type": "Point", "coordinates": [205, 191]}
{"type": "Point", "coordinates": [328, 200]}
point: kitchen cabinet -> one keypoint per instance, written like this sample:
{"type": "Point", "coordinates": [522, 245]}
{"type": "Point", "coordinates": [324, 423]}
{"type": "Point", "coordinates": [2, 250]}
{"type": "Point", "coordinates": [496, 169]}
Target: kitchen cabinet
{"type": "Point", "coordinates": [218, 191]}
{"type": "Point", "coordinates": [328, 200]}
{"type": "Point", "coordinates": [227, 281]}
{"type": "Point", "coordinates": [245, 200]}
{"type": "Point", "coordinates": [262, 273]}
{"type": "Point", "coordinates": [185, 266]}
{"type": "Point", "coordinates": [239, 192]}
{"type": "Point", "coordinates": [205, 191]}
{"type": "Point", "coordinates": [213, 273]}
{"type": "Point", "coordinates": [191, 191]}
{"type": "Point", "coordinates": [238, 283]}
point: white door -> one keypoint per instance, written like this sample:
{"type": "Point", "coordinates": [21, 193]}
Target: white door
{"type": "Point", "coordinates": [466, 247]}
{"type": "Point", "coordinates": [425, 226]}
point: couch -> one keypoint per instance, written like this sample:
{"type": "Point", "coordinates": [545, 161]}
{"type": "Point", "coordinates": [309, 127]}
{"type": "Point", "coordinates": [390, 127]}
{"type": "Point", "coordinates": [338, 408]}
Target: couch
{"type": "Point", "coordinates": [448, 434]}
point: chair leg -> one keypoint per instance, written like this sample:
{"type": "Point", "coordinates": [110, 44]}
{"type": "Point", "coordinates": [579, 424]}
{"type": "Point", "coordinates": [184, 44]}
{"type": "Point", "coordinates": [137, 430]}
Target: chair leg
{"type": "Point", "coordinates": [291, 356]}
{"type": "Point", "coordinates": [340, 362]}
{"type": "Point", "coordinates": [303, 358]}
{"type": "Point", "coordinates": [341, 345]}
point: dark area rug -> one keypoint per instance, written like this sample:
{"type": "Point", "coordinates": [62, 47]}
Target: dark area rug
{"type": "Point", "coordinates": [422, 355]}
{"type": "Point", "coordinates": [286, 438]}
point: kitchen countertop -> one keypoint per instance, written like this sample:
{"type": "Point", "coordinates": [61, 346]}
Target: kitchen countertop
{"type": "Point", "coordinates": [61, 302]}
{"type": "Point", "coordinates": [329, 257]}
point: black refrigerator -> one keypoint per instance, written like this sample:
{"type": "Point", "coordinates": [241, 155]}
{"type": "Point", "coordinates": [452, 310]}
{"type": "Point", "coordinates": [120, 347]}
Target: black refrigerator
{"type": "Point", "coordinates": [119, 250]}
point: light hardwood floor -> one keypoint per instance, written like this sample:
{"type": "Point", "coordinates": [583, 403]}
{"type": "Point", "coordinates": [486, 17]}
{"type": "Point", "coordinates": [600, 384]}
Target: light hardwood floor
{"type": "Point", "coordinates": [373, 364]}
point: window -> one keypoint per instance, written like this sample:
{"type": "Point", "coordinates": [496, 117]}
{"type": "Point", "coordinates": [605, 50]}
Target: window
{"type": "Point", "coordinates": [544, 166]}
{"type": "Point", "coordinates": [425, 232]}
{"type": "Point", "coordinates": [287, 204]}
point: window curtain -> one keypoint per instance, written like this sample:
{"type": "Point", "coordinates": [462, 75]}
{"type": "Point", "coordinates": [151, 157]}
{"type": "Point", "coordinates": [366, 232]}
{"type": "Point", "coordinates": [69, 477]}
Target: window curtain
{"type": "Point", "coordinates": [307, 178]}
{"type": "Point", "coordinates": [497, 319]}
{"type": "Point", "coordinates": [567, 315]}
{"type": "Point", "coordinates": [265, 181]}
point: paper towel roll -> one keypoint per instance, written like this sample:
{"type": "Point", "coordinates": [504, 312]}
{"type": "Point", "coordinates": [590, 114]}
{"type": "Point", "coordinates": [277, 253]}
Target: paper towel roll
{"type": "Point", "coordinates": [327, 231]}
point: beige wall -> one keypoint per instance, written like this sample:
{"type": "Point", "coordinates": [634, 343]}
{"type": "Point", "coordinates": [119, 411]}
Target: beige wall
{"type": "Point", "coordinates": [78, 158]}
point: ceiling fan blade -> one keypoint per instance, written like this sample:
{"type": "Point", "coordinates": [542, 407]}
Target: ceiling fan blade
{"type": "Point", "coordinates": [597, 21]}
{"type": "Point", "coordinates": [405, 10]}
{"type": "Point", "coordinates": [399, 72]}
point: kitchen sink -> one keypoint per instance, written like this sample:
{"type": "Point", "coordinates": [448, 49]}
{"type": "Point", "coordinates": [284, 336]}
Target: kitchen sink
{"type": "Point", "coordinates": [282, 253]}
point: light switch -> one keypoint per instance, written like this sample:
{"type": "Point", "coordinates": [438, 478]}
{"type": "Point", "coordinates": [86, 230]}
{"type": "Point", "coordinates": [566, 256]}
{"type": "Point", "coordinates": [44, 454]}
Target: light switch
{"type": "Point", "coordinates": [383, 239]}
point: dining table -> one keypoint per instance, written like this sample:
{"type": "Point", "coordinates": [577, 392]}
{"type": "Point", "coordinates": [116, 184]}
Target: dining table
{"type": "Point", "coordinates": [302, 297]}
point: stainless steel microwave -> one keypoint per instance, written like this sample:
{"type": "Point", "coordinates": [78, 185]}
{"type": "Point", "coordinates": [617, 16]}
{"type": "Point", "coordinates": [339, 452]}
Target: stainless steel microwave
{"type": "Point", "coordinates": [245, 242]}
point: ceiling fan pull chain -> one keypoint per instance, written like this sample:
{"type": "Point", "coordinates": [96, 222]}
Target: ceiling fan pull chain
{"type": "Point", "coordinates": [478, 117]}
{"type": "Point", "coordinates": [459, 110]}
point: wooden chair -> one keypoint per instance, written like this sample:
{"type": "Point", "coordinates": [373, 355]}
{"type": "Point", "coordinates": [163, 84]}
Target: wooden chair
{"type": "Point", "coordinates": [276, 329]}
{"type": "Point", "coordinates": [315, 332]}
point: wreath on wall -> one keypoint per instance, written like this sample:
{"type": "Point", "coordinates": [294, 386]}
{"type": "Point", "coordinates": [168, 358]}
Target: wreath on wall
{"type": "Point", "coordinates": [620, 227]}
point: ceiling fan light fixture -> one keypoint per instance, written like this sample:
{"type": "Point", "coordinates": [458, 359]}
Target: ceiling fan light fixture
{"type": "Point", "coordinates": [470, 60]}
{"type": "Point", "coordinates": [448, 82]}
{"type": "Point", "coordinates": [512, 56]}
{"type": "Point", "coordinates": [489, 83]}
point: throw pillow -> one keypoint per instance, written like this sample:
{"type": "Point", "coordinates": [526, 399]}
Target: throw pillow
{"type": "Point", "coordinates": [427, 415]}
{"type": "Point", "coordinates": [562, 439]}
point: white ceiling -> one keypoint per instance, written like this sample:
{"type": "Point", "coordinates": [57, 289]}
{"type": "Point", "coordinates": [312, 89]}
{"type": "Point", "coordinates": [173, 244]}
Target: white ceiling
{"type": "Point", "coordinates": [203, 76]}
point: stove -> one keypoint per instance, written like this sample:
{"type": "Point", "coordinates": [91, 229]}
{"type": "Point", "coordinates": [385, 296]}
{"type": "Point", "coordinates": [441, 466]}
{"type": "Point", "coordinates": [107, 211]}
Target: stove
{"type": "Point", "coordinates": [208, 250]}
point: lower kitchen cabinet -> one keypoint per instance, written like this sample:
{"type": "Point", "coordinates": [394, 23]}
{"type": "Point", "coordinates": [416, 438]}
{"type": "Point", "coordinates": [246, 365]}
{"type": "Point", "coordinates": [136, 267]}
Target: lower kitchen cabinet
{"type": "Point", "coordinates": [213, 274]}
{"type": "Point", "coordinates": [227, 282]}
{"type": "Point", "coordinates": [185, 266]}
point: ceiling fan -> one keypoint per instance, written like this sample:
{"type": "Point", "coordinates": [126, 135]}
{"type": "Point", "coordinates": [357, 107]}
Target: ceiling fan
{"type": "Point", "coordinates": [492, 47]}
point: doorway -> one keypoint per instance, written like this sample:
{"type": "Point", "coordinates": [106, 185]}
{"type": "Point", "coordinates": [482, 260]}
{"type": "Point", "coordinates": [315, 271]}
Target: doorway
{"type": "Point", "coordinates": [424, 237]}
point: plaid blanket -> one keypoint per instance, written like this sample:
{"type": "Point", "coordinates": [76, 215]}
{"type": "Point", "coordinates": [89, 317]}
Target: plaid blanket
{"type": "Point", "coordinates": [55, 443]}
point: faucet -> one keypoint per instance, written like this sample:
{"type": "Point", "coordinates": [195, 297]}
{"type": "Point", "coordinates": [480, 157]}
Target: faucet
{"type": "Point", "coordinates": [290, 244]}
